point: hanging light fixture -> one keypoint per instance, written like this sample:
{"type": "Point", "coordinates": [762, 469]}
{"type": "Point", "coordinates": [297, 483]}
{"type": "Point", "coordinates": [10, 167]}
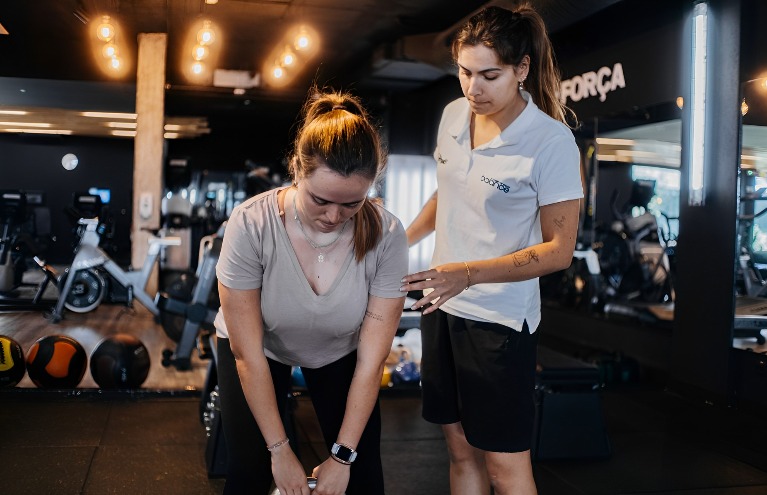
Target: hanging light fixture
{"type": "Point", "coordinates": [287, 58]}
{"type": "Point", "coordinates": [744, 108]}
{"type": "Point", "coordinates": [303, 40]}
{"type": "Point", "coordinates": [198, 68]}
{"type": "Point", "coordinates": [109, 50]}
{"type": "Point", "coordinates": [206, 35]}
{"type": "Point", "coordinates": [199, 52]}
{"type": "Point", "coordinates": [106, 30]}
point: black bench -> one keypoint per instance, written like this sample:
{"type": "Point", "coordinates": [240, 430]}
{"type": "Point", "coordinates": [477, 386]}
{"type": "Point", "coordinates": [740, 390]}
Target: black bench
{"type": "Point", "coordinates": [569, 423]}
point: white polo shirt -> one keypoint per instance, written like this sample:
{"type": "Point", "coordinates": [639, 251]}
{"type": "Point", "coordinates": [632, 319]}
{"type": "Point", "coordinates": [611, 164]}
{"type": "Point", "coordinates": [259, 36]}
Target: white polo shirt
{"type": "Point", "coordinates": [489, 201]}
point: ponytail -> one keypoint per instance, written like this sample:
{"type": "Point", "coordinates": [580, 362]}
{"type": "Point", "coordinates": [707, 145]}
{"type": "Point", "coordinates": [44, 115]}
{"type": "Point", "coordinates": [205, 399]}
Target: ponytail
{"type": "Point", "coordinates": [368, 229]}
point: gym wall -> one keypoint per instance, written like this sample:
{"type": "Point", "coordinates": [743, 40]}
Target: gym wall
{"type": "Point", "coordinates": [34, 163]}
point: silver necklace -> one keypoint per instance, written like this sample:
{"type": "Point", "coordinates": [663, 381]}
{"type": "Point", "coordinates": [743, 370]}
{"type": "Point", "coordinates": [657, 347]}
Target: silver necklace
{"type": "Point", "coordinates": [321, 256]}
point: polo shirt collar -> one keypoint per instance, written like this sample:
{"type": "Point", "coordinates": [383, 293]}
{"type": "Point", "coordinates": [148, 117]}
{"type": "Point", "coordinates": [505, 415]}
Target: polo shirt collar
{"type": "Point", "coordinates": [511, 135]}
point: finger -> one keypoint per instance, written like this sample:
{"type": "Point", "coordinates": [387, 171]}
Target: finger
{"type": "Point", "coordinates": [436, 304]}
{"type": "Point", "coordinates": [419, 276]}
{"type": "Point", "coordinates": [430, 299]}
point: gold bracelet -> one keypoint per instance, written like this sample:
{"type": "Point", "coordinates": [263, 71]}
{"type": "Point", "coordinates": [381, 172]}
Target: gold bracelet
{"type": "Point", "coordinates": [278, 444]}
{"type": "Point", "coordinates": [468, 276]}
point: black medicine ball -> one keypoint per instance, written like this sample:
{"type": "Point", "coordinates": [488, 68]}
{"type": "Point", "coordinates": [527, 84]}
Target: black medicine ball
{"type": "Point", "coordinates": [12, 363]}
{"type": "Point", "coordinates": [56, 361]}
{"type": "Point", "coordinates": [120, 361]}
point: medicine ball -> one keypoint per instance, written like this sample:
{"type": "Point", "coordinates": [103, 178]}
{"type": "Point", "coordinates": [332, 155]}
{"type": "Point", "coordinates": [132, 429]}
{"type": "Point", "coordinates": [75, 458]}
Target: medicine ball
{"type": "Point", "coordinates": [12, 364]}
{"type": "Point", "coordinates": [56, 361]}
{"type": "Point", "coordinates": [120, 361]}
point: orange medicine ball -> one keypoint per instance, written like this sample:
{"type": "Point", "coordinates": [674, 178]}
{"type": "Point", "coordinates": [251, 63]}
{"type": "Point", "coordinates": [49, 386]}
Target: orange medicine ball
{"type": "Point", "coordinates": [56, 361]}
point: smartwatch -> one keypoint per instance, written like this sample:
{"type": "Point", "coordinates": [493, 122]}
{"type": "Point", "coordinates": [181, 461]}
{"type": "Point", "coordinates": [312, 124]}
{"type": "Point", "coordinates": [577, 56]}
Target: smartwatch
{"type": "Point", "coordinates": [343, 454]}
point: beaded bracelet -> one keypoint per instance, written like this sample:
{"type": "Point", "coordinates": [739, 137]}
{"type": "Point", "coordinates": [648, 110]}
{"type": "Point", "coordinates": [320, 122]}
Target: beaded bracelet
{"type": "Point", "coordinates": [468, 276]}
{"type": "Point", "coordinates": [278, 444]}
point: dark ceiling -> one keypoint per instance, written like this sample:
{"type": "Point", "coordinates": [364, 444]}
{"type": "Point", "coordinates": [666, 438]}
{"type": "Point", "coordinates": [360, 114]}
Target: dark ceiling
{"type": "Point", "coordinates": [365, 43]}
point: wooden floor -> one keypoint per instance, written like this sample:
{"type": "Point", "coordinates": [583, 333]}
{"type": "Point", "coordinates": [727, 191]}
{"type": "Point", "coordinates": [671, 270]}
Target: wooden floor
{"type": "Point", "coordinates": [89, 328]}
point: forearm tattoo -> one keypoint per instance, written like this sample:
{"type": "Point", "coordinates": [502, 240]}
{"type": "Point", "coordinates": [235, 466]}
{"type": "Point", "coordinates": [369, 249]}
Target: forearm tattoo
{"type": "Point", "coordinates": [374, 316]}
{"type": "Point", "coordinates": [525, 257]}
{"type": "Point", "coordinates": [560, 222]}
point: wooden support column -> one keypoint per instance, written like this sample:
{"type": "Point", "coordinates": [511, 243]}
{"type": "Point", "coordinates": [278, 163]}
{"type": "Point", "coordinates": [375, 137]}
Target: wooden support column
{"type": "Point", "coordinates": [149, 146]}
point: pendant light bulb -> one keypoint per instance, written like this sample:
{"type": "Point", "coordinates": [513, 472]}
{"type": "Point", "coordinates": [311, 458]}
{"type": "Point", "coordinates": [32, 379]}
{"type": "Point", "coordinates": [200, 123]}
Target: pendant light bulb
{"type": "Point", "coordinates": [109, 50]}
{"type": "Point", "coordinates": [199, 52]}
{"type": "Point", "coordinates": [206, 35]}
{"type": "Point", "coordinates": [303, 41]}
{"type": "Point", "coordinates": [115, 63]}
{"type": "Point", "coordinates": [744, 108]}
{"type": "Point", "coordinates": [197, 68]}
{"type": "Point", "coordinates": [278, 72]}
{"type": "Point", "coordinates": [105, 31]}
{"type": "Point", "coordinates": [287, 58]}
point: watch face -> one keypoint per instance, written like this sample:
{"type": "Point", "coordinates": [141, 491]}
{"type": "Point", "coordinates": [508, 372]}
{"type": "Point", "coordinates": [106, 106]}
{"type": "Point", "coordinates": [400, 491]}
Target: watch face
{"type": "Point", "coordinates": [344, 453]}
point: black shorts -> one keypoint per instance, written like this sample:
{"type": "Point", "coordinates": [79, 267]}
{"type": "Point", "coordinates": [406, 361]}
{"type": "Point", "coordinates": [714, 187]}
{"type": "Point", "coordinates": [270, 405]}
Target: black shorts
{"type": "Point", "coordinates": [481, 375]}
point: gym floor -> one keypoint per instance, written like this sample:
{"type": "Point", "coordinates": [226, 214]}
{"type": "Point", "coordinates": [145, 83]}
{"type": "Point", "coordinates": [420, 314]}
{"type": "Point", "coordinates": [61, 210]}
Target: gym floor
{"type": "Point", "coordinates": [85, 441]}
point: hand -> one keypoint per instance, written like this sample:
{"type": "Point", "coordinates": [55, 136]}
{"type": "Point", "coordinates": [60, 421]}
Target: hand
{"type": "Point", "coordinates": [288, 473]}
{"type": "Point", "coordinates": [446, 280]}
{"type": "Point", "coordinates": [332, 477]}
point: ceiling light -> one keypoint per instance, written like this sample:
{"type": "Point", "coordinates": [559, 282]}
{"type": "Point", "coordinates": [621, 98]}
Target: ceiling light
{"type": "Point", "coordinates": [124, 133]}
{"type": "Point", "coordinates": [105, 31]}
{"type": "Point", "coordinates": [287, 58]}
{"type": "Point", "coordinates": [27, 124]}
{"type": "Point", "coordinates": [121, 125]}
{"type": "Point", "coordinates": [206, 35]}
{"type": "Point", "coordinates": [13, 112]}
{"type": "Point", "coordinates": [109, 50]}
{"type": "Point", "coordinates": [199, 52]}
{"type": "Point", "coordinates": [197, 68]}
{"type": "Point", "coordinates": [211, 2]}
{"type": "Point", "coordinates": [303, 41]}
{"type": "Point", "coordinates": [115, 63]}
{"type": "Point", "coordinates": [278, 72]}
{"type": "Point", "coordinates": [109, 115]}
{"type": "Point", "coordinates": [744, 108]}
{"type": "Point", "coordinates": [37, 131]}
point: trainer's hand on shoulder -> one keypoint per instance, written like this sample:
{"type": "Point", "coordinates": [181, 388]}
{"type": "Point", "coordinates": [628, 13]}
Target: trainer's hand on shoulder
{"type": "Point", "coordinates": [332, 478]}
{"type": "Point", "coordinates": [446, 281]}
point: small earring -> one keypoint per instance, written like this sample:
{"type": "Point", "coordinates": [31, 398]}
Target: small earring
{"type": "Point", "coordinates": [521, 87]}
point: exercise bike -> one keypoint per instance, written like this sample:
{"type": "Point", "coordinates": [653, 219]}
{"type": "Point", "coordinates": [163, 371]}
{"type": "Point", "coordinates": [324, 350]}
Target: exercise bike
{"type": "Point", "coordinates": [633, 261]}
{"type": "Point", "coordinates": [83, 287]}
{"type": "Point", "coordinates": [15, 246]}
{"type": "Point", "coordinates": [183, 318]}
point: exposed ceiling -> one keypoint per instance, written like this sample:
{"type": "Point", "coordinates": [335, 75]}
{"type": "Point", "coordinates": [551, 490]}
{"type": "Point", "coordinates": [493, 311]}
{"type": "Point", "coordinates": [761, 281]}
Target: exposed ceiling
{"type": "Point", "coordinates": [50, 51]}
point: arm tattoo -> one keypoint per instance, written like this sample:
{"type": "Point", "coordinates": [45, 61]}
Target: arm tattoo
{"type": "Point", "coordinates": [525, 257]}
{"type": "Point", "coordinates": [373, 315]}
{"type": "Point", "coordinates": [560, 223]}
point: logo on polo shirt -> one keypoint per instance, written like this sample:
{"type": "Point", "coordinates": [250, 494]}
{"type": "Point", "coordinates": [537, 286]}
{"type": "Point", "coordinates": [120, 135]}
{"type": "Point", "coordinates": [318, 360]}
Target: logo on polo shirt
{"type": "Point", "coordinates": [440, 159]}
{"type": "Point", "coordinates": [495, 183]}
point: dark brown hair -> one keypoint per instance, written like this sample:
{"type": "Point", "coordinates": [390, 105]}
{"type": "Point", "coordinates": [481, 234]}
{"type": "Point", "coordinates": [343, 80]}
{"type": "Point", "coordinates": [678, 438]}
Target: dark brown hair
{"type": "Point", "coordinates": [337, 133]}
{"type": "Point", "coordinates": [512, 34]}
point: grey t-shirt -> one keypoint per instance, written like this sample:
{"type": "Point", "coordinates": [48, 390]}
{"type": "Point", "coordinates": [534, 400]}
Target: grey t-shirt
{"type": "Point", "coordinates": [302, 328]}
